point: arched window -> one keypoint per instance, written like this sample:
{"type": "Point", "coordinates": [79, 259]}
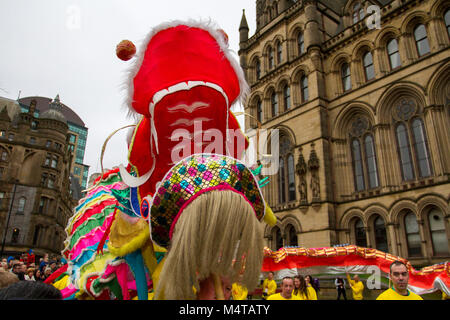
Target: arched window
{"type": "Point", "coordinates": [345, 77]}
{"type": "Point", "coordinates": [271, 58]}
{"type": "Point", "coordinates": [292, 236]}
{"type": "Point", "coordinates": [279, 52]}
{"type": "Point", "coordinates": [300, 43]}
{"type": "Point", "coordinates": [369, 70]}
{"type": "Point", "coordinates": [412, 235]}
{"type": "Point", "coordinates": [438, 233]}
{"type": "Point", "coordinates": [380, 234]}
{"type": "Point", "coordinates": [15, 235]}
{"type": "Point", "coordinates": [371, 162]}
{"type": "Point", "coordinates": [278, 239]}
{"type": "Point", "coordinates": [274, 103]}
{"type": "Point", "coordinates": [37, 230]}
{"type": "Point", "coordinates": [365, 169]}
{"type": "Point", "coordinates": [420, 147]}
{"type": "Point", "coordinates": [304, 88]}
{"type": "Point", "coordinates": [4, 154]}
{"type": "Point", "coordinates": [393, 54]}
{"type": "Point", "coordinates": [358, 12]}
{"type": "Point", "coordinates": [21, 206]}
{"type": "Point", "coordinates": [405, 152]}
{"type": "Point", "coordinates": [411, 133]}
{"type": "Point", "coordinates": [281, 182]}
{"type": "Point", "coordinates": [287, 97]}
{"type": "Point", "coordinates": [291, 178]}
{"type": "Point", "coordinates": [360, 234]}
{"type": "Point", "coordinates": [259, 111]}
{"type": "Point", "coordinates": [357, 165]}
{"type": "Point", "coordinates": [447, 21]}
{"type": "Point", "coordinates": [420, 35]}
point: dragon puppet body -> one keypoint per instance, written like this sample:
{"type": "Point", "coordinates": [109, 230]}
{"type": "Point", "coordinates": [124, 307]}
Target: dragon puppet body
{"type": "Point", "coordinates": [185, 213]}
{"type": "Point", "coordinates": [180, 92]}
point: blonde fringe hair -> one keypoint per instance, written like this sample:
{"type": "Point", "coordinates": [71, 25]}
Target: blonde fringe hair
{"type": "Point", "coordinates": [217, 233]}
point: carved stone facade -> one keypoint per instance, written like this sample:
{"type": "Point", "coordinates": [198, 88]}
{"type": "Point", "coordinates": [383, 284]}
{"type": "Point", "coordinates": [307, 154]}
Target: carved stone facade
{"type": "Point", "coordinates": [369, 110]}
{"type": "Point", "coordinates": [35, 186]}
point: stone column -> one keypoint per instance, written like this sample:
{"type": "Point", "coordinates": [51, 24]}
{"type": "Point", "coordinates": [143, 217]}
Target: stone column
{"type": "Point", "coordinates": [355, 74]}
{"type": "Point", "coordinates": [347, 236]}
{"type": "Point", "coordinates": [435, 34]}
{"type": "Point", "coordinates": [368, 237]}
{"type": "Point", "coordinates": [313, 35]}
{"type": "Point", "coordinates": [406, 51]}
{"type": "Point", "coordinates": [392, 229]}
{"type": "Point", "coordinates": [438, 139]}
{"type": "Point", "coordinates": [425, 252]}
{"type": "Point", "coordinates": [383, 154]}
{"type": "Point", "coordinates": [342, 164]}
{"type": "Point", "coordinates": [381, 65]}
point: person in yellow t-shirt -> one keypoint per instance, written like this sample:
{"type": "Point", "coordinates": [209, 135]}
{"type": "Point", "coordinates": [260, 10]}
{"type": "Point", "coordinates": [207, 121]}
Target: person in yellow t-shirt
{"type": "Point", "coordinates": [399, 291]}
{"type": "Point", "coordinates": [287, 286]}
{"type": "Point", "coordinates": [238, 291]}
{"type": "Point", "coordinates": [312, 291]}
{"type": "Point", "coordinates": [357, 287]}
{"type": "Point", "coordinates": [302, 290]}
{"type": "Point", "coordinates": [269, 286]}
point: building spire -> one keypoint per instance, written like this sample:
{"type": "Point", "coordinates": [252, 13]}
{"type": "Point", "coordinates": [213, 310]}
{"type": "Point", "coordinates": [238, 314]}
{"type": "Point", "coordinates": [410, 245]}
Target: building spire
{"type": "Point", "coordinates": [244, 24]}
{"type": "Point", "coordinates": [243, 28]}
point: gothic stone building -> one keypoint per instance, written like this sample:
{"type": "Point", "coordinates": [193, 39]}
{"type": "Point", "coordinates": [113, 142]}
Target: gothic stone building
{"type": "Point", "coordinates": [364, 120]}
{"type": "Point", "coordinates": [34, 178]}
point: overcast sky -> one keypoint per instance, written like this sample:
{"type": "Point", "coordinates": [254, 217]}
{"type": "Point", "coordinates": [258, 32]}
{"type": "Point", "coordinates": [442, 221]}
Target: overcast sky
{"type": "Point", "coordinates": [67, 47]}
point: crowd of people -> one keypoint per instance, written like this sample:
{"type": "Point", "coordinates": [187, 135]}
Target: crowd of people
{"type": "Point", "coordinates": [297, 288]}
{"type": "Point", "coordinates": [26, 268]}
{"type": "Point", "coordinates": [22, 278]}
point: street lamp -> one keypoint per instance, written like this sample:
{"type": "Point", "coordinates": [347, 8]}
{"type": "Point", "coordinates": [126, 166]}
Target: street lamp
{"type": "Point", "coordinates": [9, 216]}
